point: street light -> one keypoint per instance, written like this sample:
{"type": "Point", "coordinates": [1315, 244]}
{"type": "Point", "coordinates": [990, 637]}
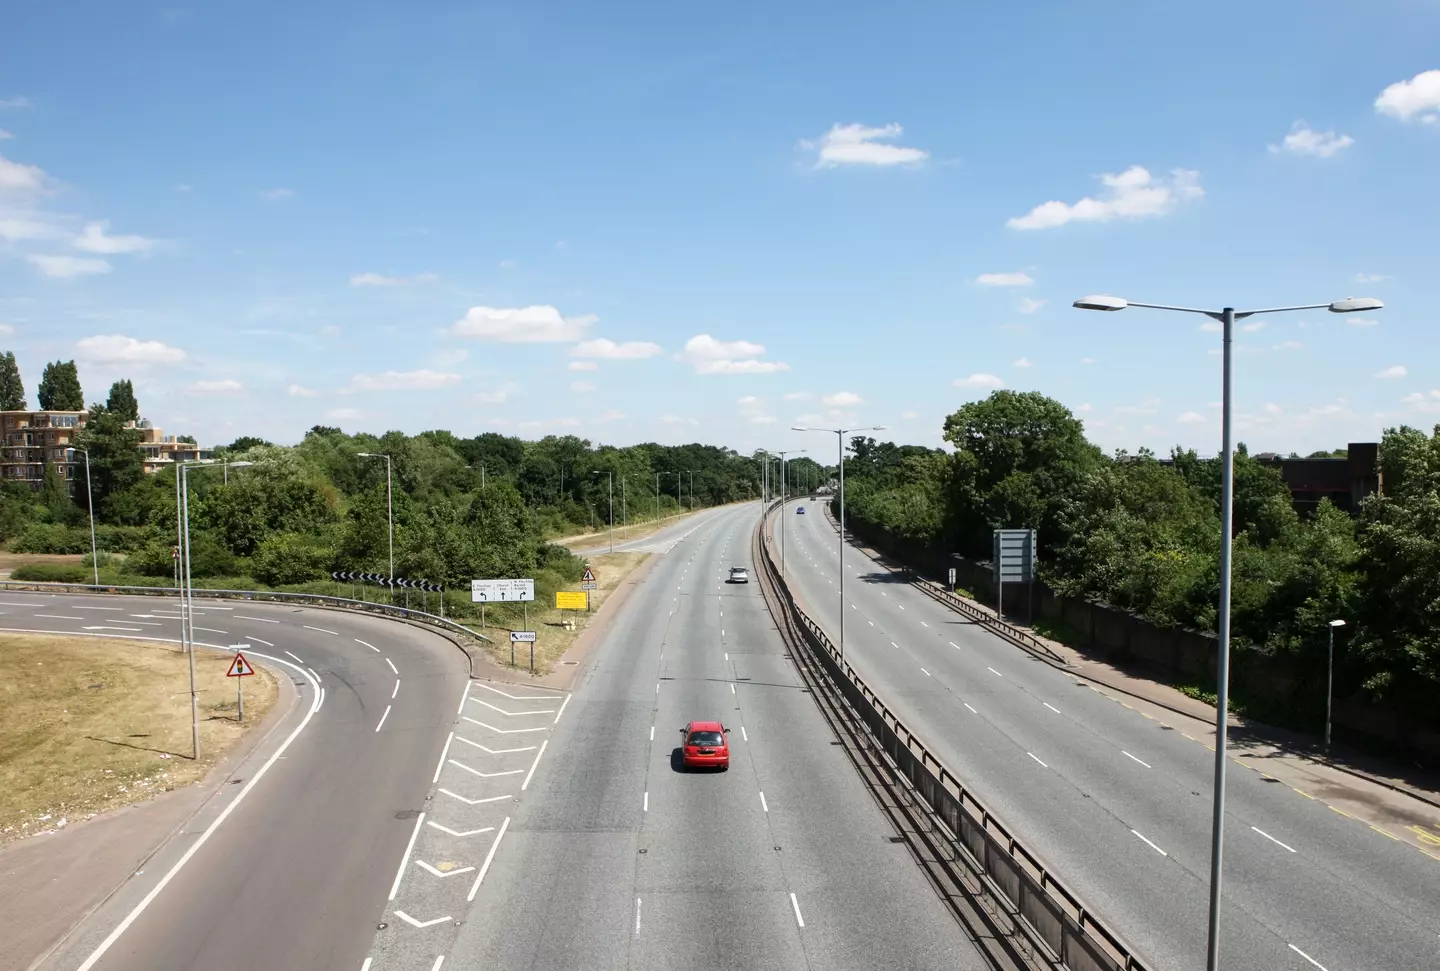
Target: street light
{"type": "Point", "coordinates": [1330, 682]}
{"type": "Point", "coordinates": [90, 504]}
{"type": "Point", "coordinates": [840, 434]}
{"type": "Point", "coordinates": [611, 515]}
{"type": "Point", "coordinates": [389, 510]}
{"type": "Point", "coordinates": [1227, 318]}
{"type": "Point", "coordinates": [187, 594]}
{"type": "Point", "coordinates": [791, 451]}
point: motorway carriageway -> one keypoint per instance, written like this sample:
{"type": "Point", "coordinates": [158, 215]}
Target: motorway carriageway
{"type": "Point", "coordinates": [1118, 803]}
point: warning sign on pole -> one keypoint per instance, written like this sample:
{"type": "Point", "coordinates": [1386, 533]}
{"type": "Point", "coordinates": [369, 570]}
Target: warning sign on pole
{"type": "Point", "coordinates": [589, 576]}
{"type": "Point", "coordinates": [240, 667]}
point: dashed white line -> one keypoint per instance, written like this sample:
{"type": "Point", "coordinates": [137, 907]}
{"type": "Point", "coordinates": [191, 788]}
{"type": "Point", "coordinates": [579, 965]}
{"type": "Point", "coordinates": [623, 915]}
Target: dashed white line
{"type": "Point", "coordinates": [732, 687]}
{"type": "Point", "coordinates": [96, 608]}
{"type": "Point", "coordinates": [967, 705]}
{"type": "Point", "coordinates": [926, 673]}
{"type": "Point", "coordinates": [637, 915]}
{"type": "Point", "coordinates": [396, 690]}
{"type": "Point", "coordinates": [212, 630]}
{"type": "Point", "coordinates": [994, 672]}
{"type": "Point", "coordinates": [799, 921]}
{"type": "Point", "coordinates": [489, 858]}
{"type": "Point", "coordinates": [561, 711]}
{"type": "Point", "coordinates": [382, 718]}
{"type": "Point", "coordinates": [254, 638]}
{"type": "Point", "coordinates": [59, 617]}
{"type": "Point", "coordinates": [923, 624]}
{"type": "Point", "coordinates": [1307, 957]}
{"type": "Point", "coordinates": [371, 646]}
{"type": "Point", "coordinates": [263, 620]}
{"type": "Point", "coordinates": [1037, 759]}
{"type": "Point", "coordinates": [405, 860]}
{"type": "Point", "coordinates": [441, 764]}
{"type": "Point", "coordinates": [1149, 844]}
{"type": "Point", "coordinates": [870, 622]}
{"type": "Point", "coordinates": [1141, 761]}
{"type": "Point", "coordinates": [439, 960]}
{"type": "Point", "coordinates": [894, 645]}
{"type": "Point", "coordinates": [296, 657]}
{"type": "Point", "coordinates": [652, 733]}
{"type": "Point", "coordinates": [526, 784]}
{"type": "Point", "coordinates": [901, 606]}
{"type": "Point", "coordinates": [954, 645]}
{"type": "Point", "coordinates": [1051, 707]}
{"type": "Point", "coordinates": [393, 669]}
{"type": "Point", "coordinates": [321, 630]}
{"type": "Point", "coordinates": [742, 733]}
{"type": "Point", "coordinates": [645, 806]}
{"type": "Point", "coordinates": [1272, 839]}
{"type": "Point", "coordinates": [311, 670]}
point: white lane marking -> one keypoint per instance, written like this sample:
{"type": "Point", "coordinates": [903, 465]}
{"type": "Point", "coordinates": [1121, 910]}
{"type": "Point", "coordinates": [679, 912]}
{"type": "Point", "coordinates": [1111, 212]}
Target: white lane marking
{"type": "Point", "coordinates": [16, 603]}
{"type": "Point", "coordinates": [1272, 839]}
{"type": "Point", "coordinates": [296, 657]}
{"type": "Point", "coordinates": [484, 775]}
{"type": "Point", "coordinates": [254, 638]}
{"type": "Point", "coordinates": [211, 630]}
{"type": "Point", "coordinates": [1033, 756]}
{"type": "Point", "coordinates": [645, 806]}
{"type": "Point", "coordinates": [800, 921]}
{"type": "Point", "coordinates": [489, 858]}
{"type": "Point", "coordinates": [901, 606]}
{"type": "Point", "coordinates": [469, 832]}
{"type": "Point", "coordinates": [366, 965]}
{"type": "Point", "coordinates": [994, 672]}
{"type": "Point", "coordinates": [77, 607]}
{"type": "Point", "coordinates": [967, 705]}
{"type": "Point", "coordinates": [954, 645]}
{"type": "Point", "coordinates": [742, 733]}
{"type": "Point", "coordinates": [371, 646]}
{"type": "Point", "coordinates": [926, 673]}
{"type": "Point", "coordinates": [311, 670]}
{"type": "Point", "coordinates": [494, 751]}
{"type": "Point", "coordinates": [870, 622]}
{"type": "Point", "coordinates": [463, 695]}
{"type": "Point", "coordinates": [884, 594]}
{"type": "Point", "coordinates": [1051, 707]}
{"type": "Point", "coordinates": [1307, 957]}
{"type": "Point", "coordinates": [853, 607]}
{"type": "Point", "coordinates": [322, 699]}
{"type": "Point", "coordinates": [506, 694]}
{"type": "Point", "coordinates": [320, 629]}
{"type": "Point", "coordinates": [147, 623]}
{"type": "Point", "coordinates": [1141, 761]}
{"type": "Point", "coordinates": [263, 620]}
{"type": "Point", "coordinates": [502, 731]}
{"type": "Point", "coordinates": [526, 784]}
{"type": "Point", "coordinates": [420, 923]}
{"type": "Point", "coordinates": [439, 960]}
{"type": "Point", "coordinates": [393, 669]}
{"type": "Point", "coordinates": [561, 711]}
{"type": "Point", "coordinates": [441, 764]}
{"type": "Point", "coordinates": [923, 624]}
{"type": "Point", "coordinates": [63, 617]}
{"type": "Point", "coordinates": [396, 690]}
{"type": "Point", "coordinates": [1150, 844]}
{"type": "Point", "coordinates": [763, 804]}
{"type": "Point", "coordinates": [652, 733]}
{"type": "Point", "coordinates": [474, 802]}
{"type": "Point", "coordinates": [894, 645]}
{"type": "Point", "coordinates": [382, 718]}
{"type": "Point", "coordinates": [732, 687]}
{"type": "Point", "coordinates": [442, 874]}
{"type": "Point", "coordinates": [133, 630]}
{"type": "Point", "coordinates": [637, 915]}
{"type": "Point", "coordinates": [405, 860]}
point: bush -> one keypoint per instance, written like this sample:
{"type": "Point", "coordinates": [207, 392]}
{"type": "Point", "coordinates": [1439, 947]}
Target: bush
{"type": "Point", "coordinates": [51, 538]}
{"type": "Point", "coordinates": [290, 558]}
{"type": "Point", "coordinates": [52, 573]}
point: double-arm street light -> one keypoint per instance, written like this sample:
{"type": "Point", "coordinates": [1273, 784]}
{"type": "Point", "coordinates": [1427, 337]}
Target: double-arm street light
{"type": "Point", "coordinates": [840, 434]}
{"type": "Point", "coordinates": [612, 505]}
{"type": "Point", "coordinates": [90, 505]}
{"type": "Point", "coordinates": [1227, 318]}
{"type": "Point", "coordinates": [389, 509]}
{"type": "Point", "coordinates": [788, 451]}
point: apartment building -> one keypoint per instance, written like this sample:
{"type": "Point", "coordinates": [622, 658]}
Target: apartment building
{"type": "Point", "coordinates": [30, 440]}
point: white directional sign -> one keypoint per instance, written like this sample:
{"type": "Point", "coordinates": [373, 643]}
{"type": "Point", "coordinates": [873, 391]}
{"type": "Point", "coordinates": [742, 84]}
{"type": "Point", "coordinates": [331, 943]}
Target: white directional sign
{"type": "Point", "coordinates": [501, 591]}
{"type": "Point", "coordinates": [522, 636]}
{"type": "Point", "coordinates": [1014, 560]}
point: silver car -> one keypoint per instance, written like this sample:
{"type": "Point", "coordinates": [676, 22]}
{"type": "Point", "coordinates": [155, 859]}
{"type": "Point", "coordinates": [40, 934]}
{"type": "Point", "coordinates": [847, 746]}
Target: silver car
{"type": "Point", "coordinates": [738, 574]}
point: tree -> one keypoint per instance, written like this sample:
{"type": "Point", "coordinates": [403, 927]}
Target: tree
{"type": "Point", "coordinates": [12, 388]}
{"type": "Point", "coordinates": [115, 461]}
{"type": "Point", "coordinates": [187, 439]}
{"type": "Point", "coordinates": [122, 401]}
{"type": "Point", "coordinates": [244, 443]}
{"type": "Point", "coordinates": [60, 388]}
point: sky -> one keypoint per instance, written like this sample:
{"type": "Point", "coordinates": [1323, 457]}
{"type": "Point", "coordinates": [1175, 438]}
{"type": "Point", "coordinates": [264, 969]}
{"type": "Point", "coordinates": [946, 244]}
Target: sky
{"type": "Point", "coordinates": [645, 221]}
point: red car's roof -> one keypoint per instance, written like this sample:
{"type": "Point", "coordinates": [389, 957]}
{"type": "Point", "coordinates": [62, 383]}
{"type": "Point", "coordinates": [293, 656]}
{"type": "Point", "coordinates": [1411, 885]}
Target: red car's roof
{"type": "Point", "coordinates": [706, 727]}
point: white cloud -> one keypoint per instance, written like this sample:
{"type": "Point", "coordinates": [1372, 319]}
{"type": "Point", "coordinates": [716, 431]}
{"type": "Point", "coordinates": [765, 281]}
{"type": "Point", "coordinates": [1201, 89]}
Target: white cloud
{"type": "Point", "coordinates": [22, 226]}
{"type": "Point", "coordinates": [762, 420]}
{"type": "Point", "coordinates": [299, 391]}
{"type": "Point", "coordinates": [1250, 326]}
{"type": "Point", "coordinates": [842, 399]}
{"type": "Point", "coordinates": [979, 381]}
{"type": "Point", "coordinates": [224, 386]}
{"type": "Point", "coordinates": [277, 195]}
{"type": "Point", "coordinates": [581, 387]}
{"type": "Point", "coordinates": [609, 416]}
{"type": "Point", "coordinates": [380, 280]}
{"type": "Point", "coordinates": [1084, 409]}
{"type": "Point", "coordinates": [1273, 408]}
{"type": "Point", "coordinates": [521, 325]}
{"type": "Point", "coordinates": [1133, 194]}
{"type": "Point", "coordinates": [1087, 360]}
{"type": "Point", "coordinates": [1212, 327]}
{"type": "Point", "coordinates": [1016, 279]}
{"type": "Point", "coordinates": [1423, 403]}
{"type": "Point", "coordinates": [94, 240]}
{"type": "Point", "coordinates": [1028, 305]}
{"type": "Point", "coordinates": [66, 267]}
{"type": "Point", "coordinates": [17, 177]}
{"type": "Point", "coordinates": [1303, 140]}
{"type": "Point", "coordinates": [1288, 346]}
{"type": "Point", "coordinates": [1418, 97]}
{"type": "Point", "coordinates": [344, 414]}
{"type": "Point", "coordinates": [583, 366]}
{"type": "Point", "coordinates": [6, 330]}
{"type": "Point", "coordinates": [18, 101]}
{"type": "Point", "coordinates": [1361, 321]}
{"type": "Point", "coordinates": [909, 415]}
{"type": "Point", "coordinates": [1191, 418]}
{"type": "Point", "coordinates": [795, 395]}
{"type": "Point", "coordinates": [1395, 371]}
{"type": "Point", "coordinates": [119, 349]}
{"type": "Point", "coordinates": [1147, 407]}
{"type": "Point", "coordinates": [330, 330]}
{"type": "Point", "coordinates": [710, 356]}
{"type": "Point", "coordinates": [5, 135]}
{"type": "Point", "coordinates": [1021, 362]}
{"type": "Point", "coordinates": [858, 145]}
{"type": "Point", "coordinates": [490, 397]}
{"type": "Point", "coordinates": [451, 357]}
{"type": "Point", "coordinates": [421, 380]}
{"type": "Point", "coordinates": [677, 420]}
{"type": "Point", "coordinates": [1370, 277]}
{"type": "Point", "coordinates": [608, 350]}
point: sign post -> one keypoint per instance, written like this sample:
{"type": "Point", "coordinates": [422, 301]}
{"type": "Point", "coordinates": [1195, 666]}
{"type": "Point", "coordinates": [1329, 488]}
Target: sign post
{"type": "Point", "coordinates": [240, 669]}
{"type": "Point", "coordinates": [952, 579]}
{"type": "Point", "coordinates": [587, 583]}
{"type": "Point", "coordinates": [1013, 562]}
{"type": "Point", "coordinates": [523, 637]}
{"type": "Point", "coordinates": [502, 591]}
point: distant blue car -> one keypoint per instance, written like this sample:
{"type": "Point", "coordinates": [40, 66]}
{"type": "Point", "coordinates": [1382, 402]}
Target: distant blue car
{"type": "Point", "coordinates": [799, 510]}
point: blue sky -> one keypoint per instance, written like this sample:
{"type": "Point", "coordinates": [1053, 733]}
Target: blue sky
{"type": "Point", "coordinates": [656, 221]}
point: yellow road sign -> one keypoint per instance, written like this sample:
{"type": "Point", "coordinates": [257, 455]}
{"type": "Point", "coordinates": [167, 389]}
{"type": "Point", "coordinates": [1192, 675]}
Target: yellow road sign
{"type": "Point", "coordinates": [570, 600]}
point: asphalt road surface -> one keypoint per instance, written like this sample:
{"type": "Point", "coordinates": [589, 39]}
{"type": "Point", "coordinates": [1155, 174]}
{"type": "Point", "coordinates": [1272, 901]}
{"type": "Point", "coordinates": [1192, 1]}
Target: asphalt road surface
{"type": "Point", "coordinates": [1118, 804]}
{"type": "Point", "coordinates": [296, 874]}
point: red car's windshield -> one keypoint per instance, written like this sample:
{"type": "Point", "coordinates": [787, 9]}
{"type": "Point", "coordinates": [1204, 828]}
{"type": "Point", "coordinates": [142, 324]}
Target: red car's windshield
{"type": "Point", "coordinates": [708, 739]}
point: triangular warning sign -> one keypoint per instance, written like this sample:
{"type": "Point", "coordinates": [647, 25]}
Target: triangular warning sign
{"type": "Point", "coordinates": [240, 667]}
{"type": "Point", "coordinates": [589, 576]}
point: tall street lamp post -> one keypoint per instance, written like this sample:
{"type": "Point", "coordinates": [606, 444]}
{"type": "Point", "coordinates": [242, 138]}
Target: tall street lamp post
{"type": "Point", "coordinates": [611, 515]}
{"type": "Point", "coordinates": [1330, 682]}
{"type": "Point", "coordinates": [389, 512]}
{"type": "Point", "coordinates": [789, 451]}
{"type": "Point", "coordinates": [1227, 318]}
{"type": "Point", "coordinates": [840, 434]}
{"type": "Point", "coordinates": [90, 505]}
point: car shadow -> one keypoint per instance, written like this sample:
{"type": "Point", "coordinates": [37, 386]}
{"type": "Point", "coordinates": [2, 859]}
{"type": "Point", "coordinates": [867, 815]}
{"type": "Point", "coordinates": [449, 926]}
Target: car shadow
{"type": "Point", "coordinates": [677, 764]}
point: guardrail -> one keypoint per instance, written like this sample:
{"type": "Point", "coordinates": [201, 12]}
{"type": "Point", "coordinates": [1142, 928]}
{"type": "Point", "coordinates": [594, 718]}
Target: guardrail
{"type": "Point", "coordinates": [1011, 876]}
{"type": "Point", "coordinates": [312, 599]}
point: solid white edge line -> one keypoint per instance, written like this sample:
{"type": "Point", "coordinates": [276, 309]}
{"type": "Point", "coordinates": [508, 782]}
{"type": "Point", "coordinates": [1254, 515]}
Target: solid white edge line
{"type": "Point", "coordinates": [1307, 957]}
{"type": "Point", "coordinates": [763, 804]}
{"type": "Point", "coordinates": [320, 629]}
{"type": "Point", "coordinates": [463, 695]}
{"type": "Point", "coordinates": [1150, 844]}
{"type": "Point", "coordinates": [1043, 765]}
{"type": "Point", "coordinates": [405, 860]}
{"type": "Point", "coordinates": [371, 646]}
{"type": "Point", "coordinates": [313, 672]}
{"type": "Point", "coordinates": [383, 717]}
{"type": "Point", "coordinates": [800, 921]}
{"type": "Point", "coordinates": [1272, 839]}
{"type": "Point", "coordinates": [1142, 762]}
{"type": "Point", "coordinates": [645, 804]}
{"type": "Point", "coordinates": [393, 669]}
{"type": "Point", "coordinates": [366, 965]}
{"type": "Point", "coordinates": [534, 765]}
{"type": "Point", "coordinates": [562, 710]}
{"type": "Point", "coordinates": [489, 858]}
{"type": "Point", "coordinates": [439, 960]}
{"type": "Point", "coordinates": [441, 764]}
{"type": "Point", "coordinates": [124, 925]}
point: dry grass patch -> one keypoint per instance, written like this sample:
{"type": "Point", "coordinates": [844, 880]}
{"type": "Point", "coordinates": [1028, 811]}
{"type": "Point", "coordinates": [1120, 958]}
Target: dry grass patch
{"type": "Point", "coordinates": [600, 539]}
{"type": "Point", "coordinates": [90, 724]}
{"type": "Point", "coordinates": [9, 561]}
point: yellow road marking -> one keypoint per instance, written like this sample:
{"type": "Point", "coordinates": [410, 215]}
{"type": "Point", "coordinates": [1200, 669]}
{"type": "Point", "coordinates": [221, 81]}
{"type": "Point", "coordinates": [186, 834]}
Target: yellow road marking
{"type": "Point", "coordinates": [1340, 811]}
{"type": "Point", "coordinates": [1303, 793]}
{"type": "Point", "coordinates": [1386, 832]}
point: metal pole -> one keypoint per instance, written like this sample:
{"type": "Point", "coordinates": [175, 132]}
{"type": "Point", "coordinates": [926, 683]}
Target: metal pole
{"type": "Point", "coordinates": [782, 515]}
{"type": "Point", "coordinates": [1330, 689]}
{"type": "Point", "coordinates": [90, 501]}
{"type": "Point", "coordinates": [390, 519]}
{"type": "Point", "coordinates": [624, 507]}
{"type": "Point", "coordinates": [240, 699]}
{"type": "Point", "coordinates": [187, 619]}
{"type": "Point", "coordinates": [840, 438]}
{"type": "Point", "coordinates": [612, 510]}
{"type": "Point", "coordinates": [692, 490]}
{"type": "Point", "coordinates": [1222, 661]}
{"type": "Point", "coordinates": [657, 496]}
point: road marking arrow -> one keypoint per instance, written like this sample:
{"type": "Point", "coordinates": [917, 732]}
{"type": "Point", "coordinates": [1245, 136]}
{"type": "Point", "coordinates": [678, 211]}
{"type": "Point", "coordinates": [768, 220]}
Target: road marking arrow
{"type": "Point", "coordinates": [442, 874]}
{"type": "Point", "coordinates": [502, 731]}
{"type": "Point", "coordinates": [447, 829]}
{"type": "Point", "coordinates": [474, 802]}
{"type": "Point", "coordinates": [495, 751]}
{"type": "Point", "coordinates": [420, 923]}
{"type": "Point", "coordinates": [483, 775]}
{"type": "Point", "coordinates": [512, 714]}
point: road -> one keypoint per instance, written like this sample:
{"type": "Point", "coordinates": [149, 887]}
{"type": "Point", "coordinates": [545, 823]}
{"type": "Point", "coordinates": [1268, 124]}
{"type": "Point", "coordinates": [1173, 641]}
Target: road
{"type": "Point", "coordinates": [296, 874]}
{"type": "Point", "coordinates": [612, 858]}
{"type": "Point", "coordinates": [1118, 803]}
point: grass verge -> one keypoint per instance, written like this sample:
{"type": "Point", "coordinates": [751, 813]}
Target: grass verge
{"type": "Point", "coordinates": [93, 724]}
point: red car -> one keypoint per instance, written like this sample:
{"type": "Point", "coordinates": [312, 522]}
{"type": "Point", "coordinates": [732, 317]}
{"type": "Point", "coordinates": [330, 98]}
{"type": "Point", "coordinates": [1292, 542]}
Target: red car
{"type": "Point", "coordinates": [705, 745]}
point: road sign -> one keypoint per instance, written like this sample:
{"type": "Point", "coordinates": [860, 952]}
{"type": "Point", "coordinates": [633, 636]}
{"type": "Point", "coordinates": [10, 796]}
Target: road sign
{"type": "Point", "coordinates": [522, 636]}
{"type": "Point", "coordinates": [1014, 560]}
{"type": "Point", "coordinates": [571, 600]}
{"type": "Point", "coordinates": [589, 586]}
{"type": "Point", "coordinates": [952, 578]}
{"type": "Point", "coordinates": [501, 591]}
{"type": "Point", "coordinates": [589, 576]}
{"type": "Point", "coordinates": [240, 667]}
